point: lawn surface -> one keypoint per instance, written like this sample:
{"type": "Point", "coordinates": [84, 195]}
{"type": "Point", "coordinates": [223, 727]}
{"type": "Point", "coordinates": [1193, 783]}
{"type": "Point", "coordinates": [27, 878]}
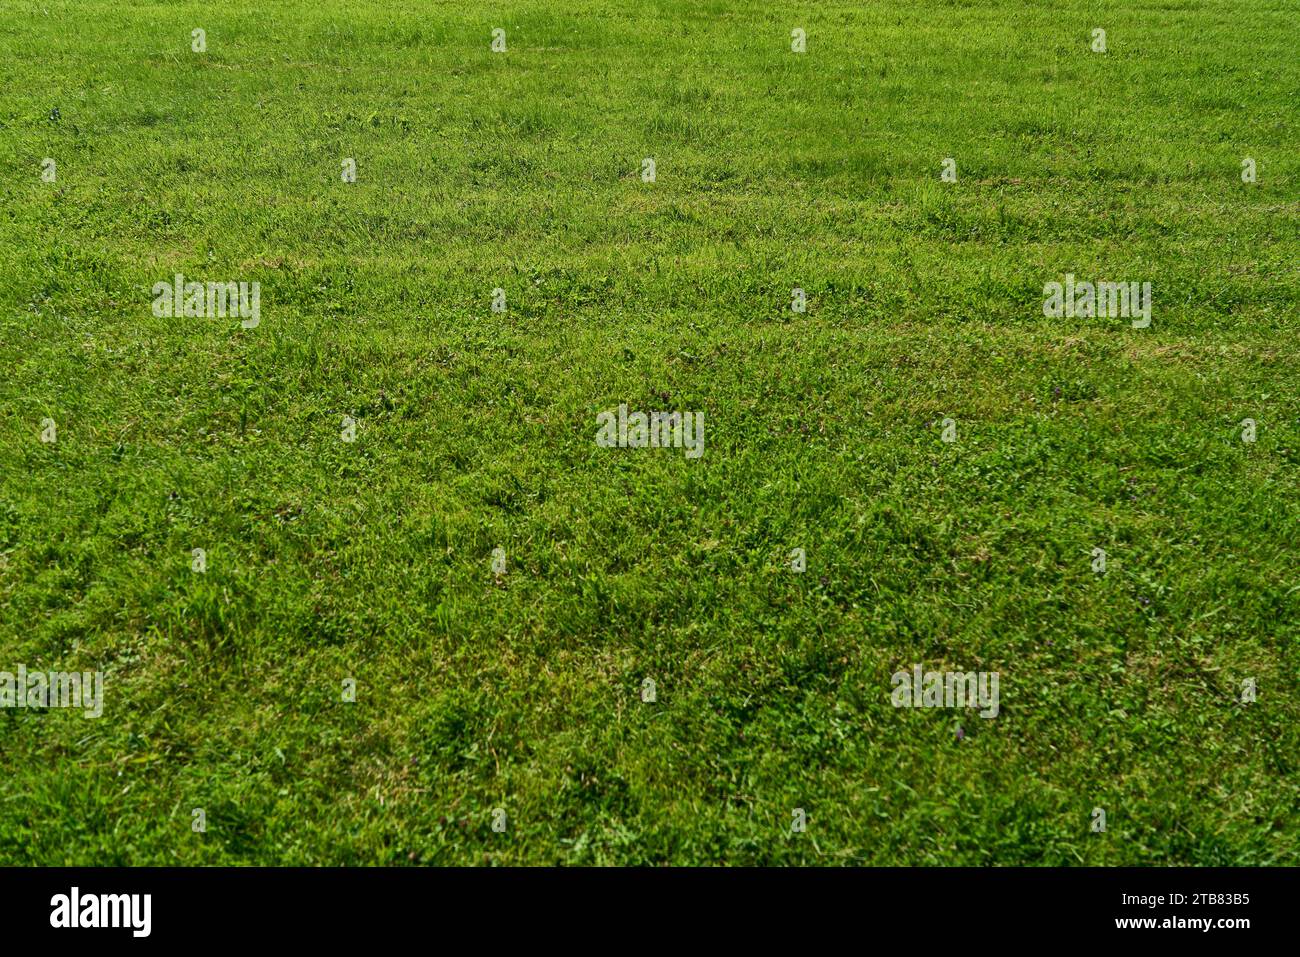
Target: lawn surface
{"type": "Point", "coordinates": [372, 559]}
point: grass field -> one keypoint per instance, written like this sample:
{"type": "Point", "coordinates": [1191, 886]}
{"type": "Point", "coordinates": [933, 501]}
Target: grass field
{"type": "Point", "coordinates": [472, 430]}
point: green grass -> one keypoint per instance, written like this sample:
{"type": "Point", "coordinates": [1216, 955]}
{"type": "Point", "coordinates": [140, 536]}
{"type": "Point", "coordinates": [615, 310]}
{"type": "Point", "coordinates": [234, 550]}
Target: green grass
{"type": "Point", "coordinates": [371, 559]}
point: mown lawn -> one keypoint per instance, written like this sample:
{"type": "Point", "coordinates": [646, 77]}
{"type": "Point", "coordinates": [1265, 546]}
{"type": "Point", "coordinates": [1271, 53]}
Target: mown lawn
{"type": "Point", "coordinates": [372, 559]}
